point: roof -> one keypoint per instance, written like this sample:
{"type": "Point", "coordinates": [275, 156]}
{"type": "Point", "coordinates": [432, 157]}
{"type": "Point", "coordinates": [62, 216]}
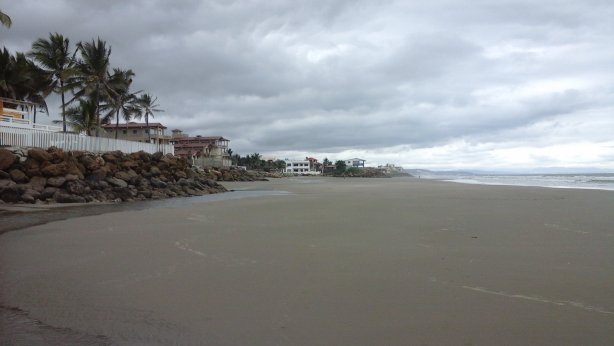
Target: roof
{"type": "Point", "coordinates": [355, 159]}
{"type": "Point", "coordinates": [133, 125]}
{"type": "Point", "coordinates": [201, 138]}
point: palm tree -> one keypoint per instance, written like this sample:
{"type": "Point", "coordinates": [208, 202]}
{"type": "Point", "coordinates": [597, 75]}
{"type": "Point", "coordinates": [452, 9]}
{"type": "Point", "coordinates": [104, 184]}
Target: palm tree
{"type": "Point", "coordinates": [92, 77]}
{"type": "Point", "coordinates": [54, 57]}
{"type": "Point", "coordinates": [39, 86]}
{"type": "Point", "coordinates": [124, 101]}
{"type": "Point", "coordinates": [22, 80]}
{"type": "Point", "coordinates": [10, 77]}
{"type": "Point", "coordinates": [147, 106]}
{"type": "Point", "coordinates": [82, 117]}
{"type": "Point", "coordinates": [5, 19]}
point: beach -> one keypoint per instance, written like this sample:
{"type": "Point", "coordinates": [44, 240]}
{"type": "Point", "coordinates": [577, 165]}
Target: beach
{"type": "Point", "coordinates": [322, 261]}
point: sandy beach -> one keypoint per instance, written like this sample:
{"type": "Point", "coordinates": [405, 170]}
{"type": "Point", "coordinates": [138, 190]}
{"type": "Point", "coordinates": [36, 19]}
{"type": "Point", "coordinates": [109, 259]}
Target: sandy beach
{"type": "Point", "coordinates": [399, 261]}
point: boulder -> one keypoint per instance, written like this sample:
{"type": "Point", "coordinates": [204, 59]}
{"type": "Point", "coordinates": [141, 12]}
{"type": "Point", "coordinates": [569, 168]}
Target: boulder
{"type": "Point", "coordinates": [48, 192]}
{"type": "Point", "coordinates": [96, 176]}
{"type": "Point", "coordinates": [91, 163]}
{"type": "Point", "coordinates": [38, 183]}
{"type": "Point", "coordinates": [56, 181]}
{"type": "Point", "coordinates": [75, 187]}
{"type": "Point", "coordinates": [155, 182]}
{"type": "Point", "coordinates": [39, 155]}
{"type": "Point", "coordinates": [54, 170]}
{"type": "Point", "coordinates": [57, 154]}
{"type": "Point", "coordinates": [129, 164]}
{"type": "Point", "coordinates": [10, 194]}
{"type": "Point", "coordinates": [71, 177]}
{"type": "Point", "coordinates": [155, 171]}
{"type": "Point", "coordinates": [4, 175]}
{"type": "Point", "coordinates": [28, 198]}
{"type": "Point", "coordinates": [180, 175]}
{"type": "Point", "coordinates": [6, 159]}
{"type": "Point", "coordinates": [18, 176]}
{"type": "Point", "coordinates": [6, 183]}
{"type": "Point", "coordinates": [123, 175]}
{"type": "Point", "coordinates": [116, 182]}
{"type": "Point", "coordinates": [112, 156]}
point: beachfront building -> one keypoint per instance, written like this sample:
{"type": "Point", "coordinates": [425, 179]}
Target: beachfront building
{"type": "Point", "coordinates": [138, 132]}
{"type": "Point", "coordinates": [305, 166]}
{"type": "Point", "coordinates": [359, 163]}
{"type": "Point", "coordinates": [18, 114]}
{"type": "Point", "coordinates": [211, 151]}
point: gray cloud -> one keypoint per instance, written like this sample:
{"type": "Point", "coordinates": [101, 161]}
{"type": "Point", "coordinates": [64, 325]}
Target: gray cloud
{"type": "Point", "coordinates": [431, 84]}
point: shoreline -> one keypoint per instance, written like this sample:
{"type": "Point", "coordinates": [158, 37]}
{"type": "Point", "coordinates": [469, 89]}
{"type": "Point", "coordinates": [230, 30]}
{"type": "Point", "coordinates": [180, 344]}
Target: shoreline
{"type": "Point", "coordinates": [53, 211]}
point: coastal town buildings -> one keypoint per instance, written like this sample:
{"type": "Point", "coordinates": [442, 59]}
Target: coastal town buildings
{"type": "Point", "coordinates": [359, 163]}
{"type": "Point", "coordinates": [391, 169]}
{"type": "Point", "coordinates": [138, 132]}
{"type": "Point", "coordinates": [211, 151]}
{"type": "Point", "coordinates": [306, 166]}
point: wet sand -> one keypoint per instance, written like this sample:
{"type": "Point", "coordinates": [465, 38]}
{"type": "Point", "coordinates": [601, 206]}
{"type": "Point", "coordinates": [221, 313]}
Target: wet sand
{"type": "Point", "coordinates": [335, 262]}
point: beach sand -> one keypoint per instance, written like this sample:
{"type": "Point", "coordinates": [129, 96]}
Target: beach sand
{"type": "Point", "coordinates": [397, 261]}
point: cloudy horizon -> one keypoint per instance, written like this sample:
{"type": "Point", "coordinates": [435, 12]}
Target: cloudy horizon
{"type": "Point", "coordinates": [438, 85]}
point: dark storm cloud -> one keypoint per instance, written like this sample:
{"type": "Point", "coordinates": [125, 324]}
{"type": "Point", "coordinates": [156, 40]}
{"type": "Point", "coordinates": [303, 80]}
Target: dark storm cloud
{"type": "Point", "coordinates": [420, 83]}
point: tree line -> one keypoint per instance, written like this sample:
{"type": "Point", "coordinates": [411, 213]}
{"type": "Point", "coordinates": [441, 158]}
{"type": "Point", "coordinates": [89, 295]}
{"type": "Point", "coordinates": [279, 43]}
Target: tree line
{"type": "Point", "coordinates": [255, 161]}
{"type": "Point", "coordinates": [92, 92]}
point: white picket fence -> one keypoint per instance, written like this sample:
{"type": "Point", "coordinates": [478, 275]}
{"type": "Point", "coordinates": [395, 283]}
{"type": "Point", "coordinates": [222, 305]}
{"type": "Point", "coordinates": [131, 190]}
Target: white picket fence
{"type": "Point", "coordinates": [24, 137]}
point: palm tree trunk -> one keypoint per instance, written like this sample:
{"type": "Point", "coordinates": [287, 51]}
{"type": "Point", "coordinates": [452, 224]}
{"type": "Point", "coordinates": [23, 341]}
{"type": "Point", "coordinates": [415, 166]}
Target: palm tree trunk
{"type": "Point", "coordinates": [147, 125]}
{"type": "Point", "coordinates": [117, 123]}
{"type": "Point", "coordinates": [97, 117]}
{"type": "Point", "coordinates": [63, 107]}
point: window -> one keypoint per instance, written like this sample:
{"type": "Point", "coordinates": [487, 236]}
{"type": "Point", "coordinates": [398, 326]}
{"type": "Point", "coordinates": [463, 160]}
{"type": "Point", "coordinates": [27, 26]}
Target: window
{"type": "Point", "coordinates": [146, 130]}
{"type": "Point", "coordinates": [124, 131]}
{"type": "Point", "coordinates": [288, 164]}
{"type": "Point", "coordinates": [134, 132]}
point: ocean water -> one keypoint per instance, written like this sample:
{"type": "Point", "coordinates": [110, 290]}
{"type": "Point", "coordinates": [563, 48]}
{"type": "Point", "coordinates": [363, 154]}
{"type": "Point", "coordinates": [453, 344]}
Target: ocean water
{"type": "Point", "coordinates": [568, 181]}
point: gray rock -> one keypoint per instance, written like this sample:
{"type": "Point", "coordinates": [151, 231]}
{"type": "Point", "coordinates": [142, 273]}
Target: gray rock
{"type": "Point", "coordinates": [18, 176]}
{"type": "Point", "coordinates": [71, 177]}
{"type": "Point", "coordinates": [155, 171]}
{"type": "Point", "coordinates": [6, 183]}
{"type": "Point", "coordinates": [38, 183]}
{"type": "Point", "coordinates": [27, 198]}
{"type": "Point", "coordinates": [158, 183]}
{"type": "Point", "coordinates": [116, 182]}
{"type": "Point", "coordinates": [96, 176]}
{"type": "Point", "coordinates": [75, 187]}
{"type": "Point", "coordinates": [56, 181]}
{"type": "Point", "coordinates": [11, 194]}
{"type": "Point", "coordinates": [48, 192]}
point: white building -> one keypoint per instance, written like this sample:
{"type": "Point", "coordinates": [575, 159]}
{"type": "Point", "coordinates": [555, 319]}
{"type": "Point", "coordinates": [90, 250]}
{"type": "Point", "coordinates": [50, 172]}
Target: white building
{"type": "Point", "coordinates": [355, 163]}
{"type": "Point", "coordinates": [299, 167]}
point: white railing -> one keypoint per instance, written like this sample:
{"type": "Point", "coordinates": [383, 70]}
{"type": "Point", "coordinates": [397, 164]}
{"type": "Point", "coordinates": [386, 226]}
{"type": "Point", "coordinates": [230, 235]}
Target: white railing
{"type": "Point", "coordinates": [28, 137]}
{"type": "Point", "coordinates": [27, 124]}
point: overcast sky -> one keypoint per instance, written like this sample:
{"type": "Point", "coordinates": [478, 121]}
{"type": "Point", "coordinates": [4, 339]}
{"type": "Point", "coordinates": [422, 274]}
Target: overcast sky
{"type": "Point", "coordinates": [444, 84]}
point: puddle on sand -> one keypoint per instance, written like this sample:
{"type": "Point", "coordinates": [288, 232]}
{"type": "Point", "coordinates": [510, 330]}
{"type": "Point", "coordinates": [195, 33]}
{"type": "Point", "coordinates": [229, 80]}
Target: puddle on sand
{"type": "Point", "coordinates": [10, 221]}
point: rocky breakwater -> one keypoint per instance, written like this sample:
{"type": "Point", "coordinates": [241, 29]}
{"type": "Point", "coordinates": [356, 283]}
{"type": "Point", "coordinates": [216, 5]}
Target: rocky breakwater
{"type": "Point", "coordinates": [237, 174]}
{"type": "Point", "coordinates": [55, 176]}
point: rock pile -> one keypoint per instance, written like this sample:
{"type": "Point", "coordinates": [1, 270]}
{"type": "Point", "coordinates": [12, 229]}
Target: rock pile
{"type": "Point", "coordinates": [53, 175]}
{"type": "Point", "coordinates": [237, 174]}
